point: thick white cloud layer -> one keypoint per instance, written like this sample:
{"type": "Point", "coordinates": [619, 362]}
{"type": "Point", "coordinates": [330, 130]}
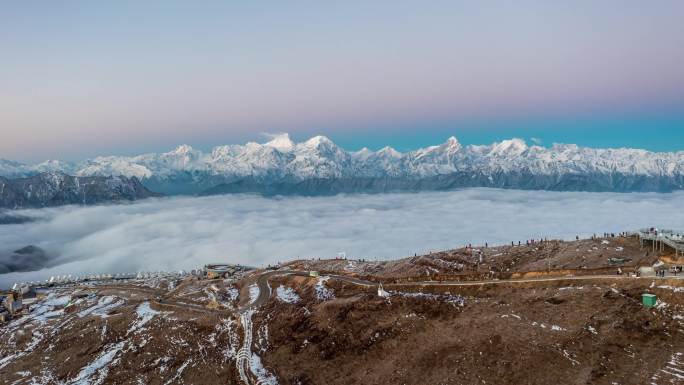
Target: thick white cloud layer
{"type": "Point", "coordinates": [185, 233]}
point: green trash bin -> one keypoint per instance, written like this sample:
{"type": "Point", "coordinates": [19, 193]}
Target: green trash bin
{"type": "Point", "coordinates": [649, 300]}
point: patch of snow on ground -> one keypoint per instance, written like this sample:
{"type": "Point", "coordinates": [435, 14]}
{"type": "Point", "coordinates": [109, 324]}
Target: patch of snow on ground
{"type": "Point", "coordinates": [6, 360]}
{"type": "Point", "coordinates": [43, 313]}
{"type": "Point", "coordinates": [44, 310]}
{"type": "Point", "coordinates": [103, 306]}
{"type": "Point", "coordinates": [322, 291]}
{"type": "Point", "coordinates": [228, 326]}
{"type": "Point", "coordinates": [262, 338]}
{"type": "Point", "coordinates": [287, 294]}
{"type": "Point", "coordinates": [253, 292]}
{"type": "Point", "coordinates": [263, 376]}
{"type": "Point", "coordinates": [675, 289]}
{"type": "Point", "coordinates": [44, 378]}
{"type": "Point", "coordinates": [179, 372]}
{"type": "Point", "coordinates": [232, 293]}
{"type": "Point", "coordinates": [53, 300]}
{"type": "Point", "coordinates": [99, 364]}
{"type": "Point", "coordinates": [570, 357]}
{"type": "Point", "coordinates": [571, 288]}
{"type": "Point", "coordinates": [145, 314]}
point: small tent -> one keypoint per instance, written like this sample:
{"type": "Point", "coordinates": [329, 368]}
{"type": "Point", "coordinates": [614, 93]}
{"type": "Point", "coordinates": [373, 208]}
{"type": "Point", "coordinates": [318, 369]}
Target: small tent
{"type": "Point", "coordinates": [382, 292]}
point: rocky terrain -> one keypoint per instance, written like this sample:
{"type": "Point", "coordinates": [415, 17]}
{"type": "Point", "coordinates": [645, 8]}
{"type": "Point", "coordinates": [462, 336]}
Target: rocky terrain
{"type": "Point", "coordinates": [286, 327]}
{"type": "Point", "coordinates": [55, 189]}
{"type": "Point", "coordinates": [319, 167]}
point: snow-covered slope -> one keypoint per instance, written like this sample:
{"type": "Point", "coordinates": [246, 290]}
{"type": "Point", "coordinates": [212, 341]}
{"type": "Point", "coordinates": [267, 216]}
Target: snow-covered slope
{"type": "Point", "coordinates": [510, 163]}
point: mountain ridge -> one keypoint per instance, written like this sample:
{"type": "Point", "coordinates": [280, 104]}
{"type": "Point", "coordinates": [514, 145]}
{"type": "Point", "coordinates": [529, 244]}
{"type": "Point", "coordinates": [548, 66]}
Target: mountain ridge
{"type": "Point", "coordinates": [56, 189]}
{"type": "Point", "coordinates": [186, 170]}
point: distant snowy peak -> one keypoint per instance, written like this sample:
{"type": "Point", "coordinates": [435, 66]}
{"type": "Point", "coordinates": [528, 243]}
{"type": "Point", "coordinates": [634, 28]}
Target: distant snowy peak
{"type": "Point", "coordinates": [281, 142]}
{"type": "Point", "coordinates": [389, 152]}
{"type": "Point", "coordinates": [281, 159]}
{"type": "Point", "coordinates": [510, 147]}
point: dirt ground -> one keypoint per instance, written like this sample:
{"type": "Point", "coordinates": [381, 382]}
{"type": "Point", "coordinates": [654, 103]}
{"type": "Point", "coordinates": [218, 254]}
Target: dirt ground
{"type": "Point", "coordinates": [585, 254]}
{"type": "Point", "coordinates": [332, 330]}
{"type": "Point", "coordinates": [593, 332]}
{"type": "Point", "coordinates": [123, 334]}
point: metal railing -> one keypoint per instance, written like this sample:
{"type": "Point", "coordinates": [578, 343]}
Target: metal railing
{"type": "Point", "coordinates": [672, 238]}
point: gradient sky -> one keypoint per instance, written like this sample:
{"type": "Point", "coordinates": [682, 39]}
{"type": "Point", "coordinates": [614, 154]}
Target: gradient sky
{"type": "Point", "coordinates": [83, 78]}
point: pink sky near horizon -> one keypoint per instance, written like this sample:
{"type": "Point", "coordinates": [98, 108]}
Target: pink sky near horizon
{"type": "Point", "coordinates": [85, 79]}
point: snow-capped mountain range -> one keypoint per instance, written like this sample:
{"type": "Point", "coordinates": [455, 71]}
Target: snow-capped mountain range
{"type": "Point", "coordinates": [320, 166]}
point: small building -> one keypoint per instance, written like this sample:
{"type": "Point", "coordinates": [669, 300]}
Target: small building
{"type": "Point", "coordinates": [20, 288]}
{"type": "Point", "coordinates": [218, 271]}
{"type": "Point", "coordinates": [649, 300]}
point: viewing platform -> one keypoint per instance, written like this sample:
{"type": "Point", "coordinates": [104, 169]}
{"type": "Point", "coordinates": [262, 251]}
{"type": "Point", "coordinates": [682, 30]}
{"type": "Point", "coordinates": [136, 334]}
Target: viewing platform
{"type": "Point", "coordinates": [661, 238]}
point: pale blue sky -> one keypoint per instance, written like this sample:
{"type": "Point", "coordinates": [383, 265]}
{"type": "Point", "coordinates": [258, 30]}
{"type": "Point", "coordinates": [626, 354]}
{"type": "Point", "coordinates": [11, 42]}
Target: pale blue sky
{"type": "Point", "coordinates": [85, 78]}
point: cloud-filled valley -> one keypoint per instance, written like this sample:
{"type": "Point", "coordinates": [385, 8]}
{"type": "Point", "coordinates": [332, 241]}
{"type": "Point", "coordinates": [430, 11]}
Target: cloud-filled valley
{"type": "Point", "coordinates": [188, 232]}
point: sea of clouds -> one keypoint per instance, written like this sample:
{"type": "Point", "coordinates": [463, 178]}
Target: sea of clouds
{"type": "Point", "coordinates": [188, 232]}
